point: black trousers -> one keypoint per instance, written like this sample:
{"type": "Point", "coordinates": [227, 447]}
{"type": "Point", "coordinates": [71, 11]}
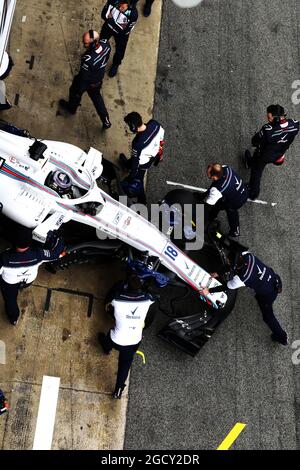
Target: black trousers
{"type": "Point", "coordinates": [257, 165]}
{"type": "Point", "coordinates": [126, 355]}
{"type": "Point", "coordinates": [10, 297]}
{"type": "Point", "coordinates": [121, 43]}
{"type": "Point", "coordinates": [78, 87]}
{"type": "Point", "coordinates": [232, 214]}
{"type": "Point", "coordinates": [265, 303]}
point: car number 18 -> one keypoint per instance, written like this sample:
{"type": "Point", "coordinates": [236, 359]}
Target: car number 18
{"type": "Point", "coordinates": [171, 252]}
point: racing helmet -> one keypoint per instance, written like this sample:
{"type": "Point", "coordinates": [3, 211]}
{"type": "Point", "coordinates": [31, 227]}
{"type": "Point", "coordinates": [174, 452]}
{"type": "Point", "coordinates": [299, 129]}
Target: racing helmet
{"type": "Point", "coordinates": [59, 182]}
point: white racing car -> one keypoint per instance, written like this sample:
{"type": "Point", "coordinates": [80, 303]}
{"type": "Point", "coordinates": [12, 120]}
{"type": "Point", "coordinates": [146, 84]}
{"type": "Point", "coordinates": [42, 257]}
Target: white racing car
{"type": "Point", "coordinates": [48, 184]}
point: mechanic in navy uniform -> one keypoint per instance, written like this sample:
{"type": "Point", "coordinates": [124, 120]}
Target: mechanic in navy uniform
{"type": "Point", "coordinates": [249, 271]}
{"type": "Point", "coordinates": [90, 77]}
{"type": "Point", "coordinates": [271, 143]}
{"type": "Point", "coordinates": [19, 268]}
{"type": "Point", "coordinates": [120, 17]}
{"type": "Point", "coordinates": [130, 306]}
{"type": "Point", "coordinates": [146, 151]}
{"type": "Point", "coordinates": [227, 192]}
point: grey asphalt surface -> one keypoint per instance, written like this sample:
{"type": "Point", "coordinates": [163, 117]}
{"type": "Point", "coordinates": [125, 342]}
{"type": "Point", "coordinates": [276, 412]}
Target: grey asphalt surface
{"type": "Point", "coordinates": [220, 65]}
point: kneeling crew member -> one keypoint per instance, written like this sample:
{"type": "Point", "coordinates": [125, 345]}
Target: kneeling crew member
{"type": "Point", "coordinates": [251, 272]}
{"type": "Point", "coordinates": [90, 76]}
{"type": "Point", "coordinates": [271, 143]}
{"type": "Point", "coordinates": [227, 192]}
{"type": "Point", "coordinates": [130, 306]}
{"type": "Point", "coordinates": [19, 268]}
{"type": "Point", "coordinates": [146, 151]}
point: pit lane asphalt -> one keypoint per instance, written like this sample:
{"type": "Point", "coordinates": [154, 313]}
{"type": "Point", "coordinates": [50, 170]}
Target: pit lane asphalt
{"type": "Point", "coordinates": [220, 65]}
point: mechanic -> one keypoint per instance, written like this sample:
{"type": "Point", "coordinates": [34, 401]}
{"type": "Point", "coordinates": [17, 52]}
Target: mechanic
{"type": "Point", "coordinates": [120, 17]}
{"type": "Point", "coordinates": [249, 271]}
{"type": "Point", "coordinates": [227, 192]}
{"type": "Point", "coordinates": [271, 143]}
{"type": "Point", "coordinates": [146, 151]}
{"type": "Point", "coordinates": [89, 79]}
{"type": "Point", "coordinates": [19, 268]}
{"type": "Point", "coordinates": [130, 306]}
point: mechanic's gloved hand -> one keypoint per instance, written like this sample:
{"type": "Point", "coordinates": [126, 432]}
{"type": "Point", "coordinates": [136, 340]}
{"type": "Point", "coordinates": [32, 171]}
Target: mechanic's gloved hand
{"type": "Point", "coordinates": [52, 237]}
{"type": "Point", "coordinates": [214, 275]}
{"type": "Point", "coordinates": [204, 291]}
{"type": "Point", "coordinates": [278, 285]}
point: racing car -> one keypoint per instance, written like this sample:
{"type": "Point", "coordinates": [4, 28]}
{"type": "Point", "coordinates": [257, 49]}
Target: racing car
{"type": "Point", "coordinates": [49, 185]}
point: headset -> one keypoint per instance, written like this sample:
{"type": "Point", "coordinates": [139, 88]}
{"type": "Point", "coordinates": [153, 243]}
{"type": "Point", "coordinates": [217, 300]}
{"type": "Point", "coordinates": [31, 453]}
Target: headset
{"type": "Point", "coordinates": [129, 121]}
{"type": "Point", "coordinates": [92, 37]}
{"type": "Point", "coordinates": [132, 127]}
{"type": "Point", "coordinates": [278, 113]}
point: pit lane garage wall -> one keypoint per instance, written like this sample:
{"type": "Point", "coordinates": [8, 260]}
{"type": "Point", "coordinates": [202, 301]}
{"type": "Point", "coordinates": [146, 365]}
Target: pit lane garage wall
{"type": "Point", "coordinates": [7, 9]}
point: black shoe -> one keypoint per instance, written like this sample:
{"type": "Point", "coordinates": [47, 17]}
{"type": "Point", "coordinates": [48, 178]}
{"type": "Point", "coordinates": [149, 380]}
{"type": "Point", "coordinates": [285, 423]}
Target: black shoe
{"type": "Point", "coordinates": [284, 341]}
{"type": "Point", "coordinates": [117, 394]}
{"type": "Point", "coordinates": [113, 71]}
{"type": "Point", "coordinates": [5, 106]}
{"type": "Point", "coordinates": [106, 123]}
{"type": "Point", "coordinates": [251, 195]}
{"type": "Point", "coordinates": [246, 158]}
{"type": "Point", "coordinates": [234, 233]}
{"type": "Point", "coordinates": [147, 9]}
{"type": "Point", "coordinates": [66, 105]}
{"type": "Point", "coordinates": [14, 322]}
{"type": "Point", "coordinates": [123, 161]}
{"type": "Point", "coordinates": [101, 339]}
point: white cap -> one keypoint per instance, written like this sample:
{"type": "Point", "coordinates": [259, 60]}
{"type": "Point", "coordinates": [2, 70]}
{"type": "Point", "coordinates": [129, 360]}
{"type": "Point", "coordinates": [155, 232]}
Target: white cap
{"type": "Point", "coordinates": [4, 63]}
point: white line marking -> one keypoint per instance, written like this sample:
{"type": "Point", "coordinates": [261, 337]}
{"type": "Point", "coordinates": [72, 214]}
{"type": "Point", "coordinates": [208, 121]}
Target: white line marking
{"type": "Point", "coordinates": [23, 19]}
{"type": "Point", "coordinates": [203, 190]}
{"type": "Point", "coordinates": [46, 415]}
{"type": "Point", "coordinates": [2, 352]}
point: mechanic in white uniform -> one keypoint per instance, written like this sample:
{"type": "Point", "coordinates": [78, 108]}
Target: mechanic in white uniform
{"type": "Point", "coordinates": [19, 268]}
{"type": "Point", "coordinates": [146, 150]}
{"type": "Point", "coordinates": [130, 307]}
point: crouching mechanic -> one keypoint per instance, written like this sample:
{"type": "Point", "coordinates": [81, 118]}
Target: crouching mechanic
{"type": "Point", "coordinates": [249, 271]}
{"type": "Point", "coordinates": [130, 307]}
{"type": "Point", "coordinates": [19, 268]}
{"type": "Point", "coordinates": [147, 150]}
{"type": "Point", "coordinates": [227, 192]}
